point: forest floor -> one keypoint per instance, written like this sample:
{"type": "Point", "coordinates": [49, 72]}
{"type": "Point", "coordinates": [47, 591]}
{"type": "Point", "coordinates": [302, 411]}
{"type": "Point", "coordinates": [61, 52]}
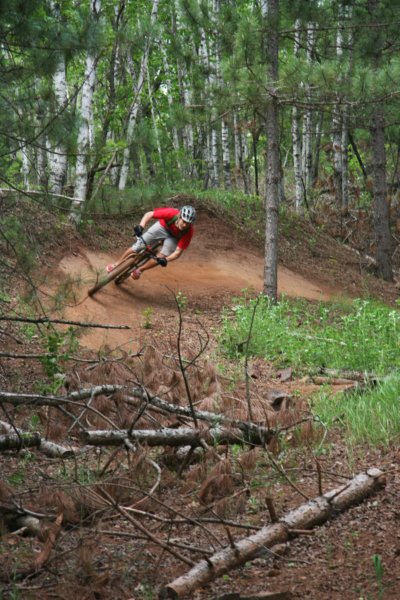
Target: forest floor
{"type": "Point", "coordinates": [98, 552]}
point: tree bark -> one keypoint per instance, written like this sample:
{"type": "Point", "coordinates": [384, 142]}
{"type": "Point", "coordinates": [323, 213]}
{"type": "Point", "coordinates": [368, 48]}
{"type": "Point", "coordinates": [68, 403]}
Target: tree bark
{"type": "Point", "coordinates": [58, 160]}
{"type": "Point", "coordinates": [184, 436]}
{"type": "Point", "coordinates": [308, 120]}
{"type": "Point", "coordinates": [49, 448]}
{"type": "Point", "coordinates": [134, 110]}
{"type": "Point", "coordinates": [84, 143]}
{"type": "Point", "coordinates": [296, 137]}
{"type": "Point", "coordinates": [306, 516]}
{"type": "Point", "coordinates": [273, 156]}
{"type": "Point", "coordinates": [13, 441]}
{"type": "Point", "coordinates": [383, 240]}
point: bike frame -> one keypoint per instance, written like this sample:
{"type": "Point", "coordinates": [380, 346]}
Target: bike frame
{"type": "Point", "coordinates": [123, 270]}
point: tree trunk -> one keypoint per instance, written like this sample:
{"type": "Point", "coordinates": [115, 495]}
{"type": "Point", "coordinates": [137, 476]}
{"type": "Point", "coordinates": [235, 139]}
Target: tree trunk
{"type": "Point", "coordinates": [134, 110]}
{"type": "Point", "coordinates": [185, 92]}
{"type": "Point", "coordinates": [273, 157]}
{"type": "Point", "coordinates": [383, 240]}
{"type": "Point", "coordinates": [175, 137]}
{"type": "Point", "coordinates": [318, 136]}
{"type": "Point", "coordinates": [58, 155]}
{"type": "Point", "coordinates": [153, 118]}
{"type": "Point", "coordinates": [345, 159]}
{"type": "Point", "coordinates": [226, 155]}
{"type": "Point", "coordinates": [13, 441]}
{"type": "Point", "coordinates": [307, 120]}
{"type": "Point", "coordinates": [83, 145]}
{"type": "Point", "coordinates": [296, 137]}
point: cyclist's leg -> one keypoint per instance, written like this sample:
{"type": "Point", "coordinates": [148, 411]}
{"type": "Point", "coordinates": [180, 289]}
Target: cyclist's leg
{"type": "Point", "coordinates": [169, 245]}
{"type": "Point", "coordinates": [154, 233]}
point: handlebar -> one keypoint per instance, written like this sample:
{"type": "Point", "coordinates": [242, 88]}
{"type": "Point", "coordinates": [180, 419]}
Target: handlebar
{"type": "Point", "coordinates": [152, 250]}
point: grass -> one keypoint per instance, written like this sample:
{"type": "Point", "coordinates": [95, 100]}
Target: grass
{"type": "Point", "coordinates": [372, 417]}
{"type": "Point", "coordinates": [363, 336]}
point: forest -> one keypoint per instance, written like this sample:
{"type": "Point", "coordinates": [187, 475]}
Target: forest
{"type": "Point", "coordinates": [226, 427]}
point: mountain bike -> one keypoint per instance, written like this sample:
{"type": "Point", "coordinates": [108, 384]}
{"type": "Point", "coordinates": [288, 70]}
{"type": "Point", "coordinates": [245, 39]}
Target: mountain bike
{"type": "Point", "coordinates": [123, 270]}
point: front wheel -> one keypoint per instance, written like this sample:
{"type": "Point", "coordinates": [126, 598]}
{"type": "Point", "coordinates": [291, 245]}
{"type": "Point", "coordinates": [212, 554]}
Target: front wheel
{"type": "Point", "coordinates": [118, 274]}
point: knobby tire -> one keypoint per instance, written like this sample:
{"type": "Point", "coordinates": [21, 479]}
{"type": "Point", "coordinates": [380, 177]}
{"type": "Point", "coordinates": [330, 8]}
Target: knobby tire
{"type": "Point", "coordinates": [128, 264]}
{"type": "Point", "coordinates": [120, 273]}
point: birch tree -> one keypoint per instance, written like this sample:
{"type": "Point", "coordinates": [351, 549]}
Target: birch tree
{"type": "Point", "coordinates": [137, 92]}
{"type": "Point", "coordinates": [58, 155]}
{"type": "Point", "coordinates": [184, 81]}
{"type": "Point", "coordinates": [337, 127]}
{"type": "Point", "coordinates": [296, 135]}
{"type": "Point", "coordinates": [86, 118]}
{"type": "Point", "coordinates": [307, 119]}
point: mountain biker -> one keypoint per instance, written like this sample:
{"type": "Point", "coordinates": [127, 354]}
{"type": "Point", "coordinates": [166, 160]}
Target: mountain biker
{"type": "Point", "coordinates": [174, 226]}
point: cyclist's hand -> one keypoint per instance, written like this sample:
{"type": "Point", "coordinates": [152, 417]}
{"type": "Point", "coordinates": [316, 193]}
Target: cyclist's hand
{"type": "Point", "coordinates": [162, 261]}
{"type": "Point", "coordinates": [138, 229]}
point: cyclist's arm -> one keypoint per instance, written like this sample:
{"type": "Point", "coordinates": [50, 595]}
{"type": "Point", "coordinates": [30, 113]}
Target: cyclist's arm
{"type": "Point", "coordinates": [146, 218]}
{"type": "Point", "coordinates": [175, 254]}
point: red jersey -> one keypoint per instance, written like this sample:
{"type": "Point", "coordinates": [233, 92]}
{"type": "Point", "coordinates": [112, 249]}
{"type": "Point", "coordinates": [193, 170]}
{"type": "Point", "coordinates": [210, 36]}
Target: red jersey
{"type": "Point", "coordinates": [166, 214]}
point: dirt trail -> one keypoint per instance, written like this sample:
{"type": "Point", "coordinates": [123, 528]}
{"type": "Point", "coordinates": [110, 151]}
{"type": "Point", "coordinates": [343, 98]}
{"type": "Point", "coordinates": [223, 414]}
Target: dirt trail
{"type": "Point", "coordinates": [209, 274]}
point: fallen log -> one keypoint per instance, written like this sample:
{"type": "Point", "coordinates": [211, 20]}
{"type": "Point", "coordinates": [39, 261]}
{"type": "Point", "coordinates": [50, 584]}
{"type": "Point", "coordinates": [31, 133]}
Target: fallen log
{"type": "Point", "coordinates": [17, 399]}
{"type": "Point", "coordinates": [15, 441]}
{"type": "Point", "coordinates": [47, 447]}
{"type": "Point", "coordinates": [184, 436]}
{"type": "Point", "coordinates": [246, 427]}
{"type": "Point", "coordinates": [306, 516]}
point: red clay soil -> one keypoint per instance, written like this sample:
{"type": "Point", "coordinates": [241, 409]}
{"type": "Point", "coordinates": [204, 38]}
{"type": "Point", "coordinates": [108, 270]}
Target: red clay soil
{"type": "Point", "coordinates": [217, 266]}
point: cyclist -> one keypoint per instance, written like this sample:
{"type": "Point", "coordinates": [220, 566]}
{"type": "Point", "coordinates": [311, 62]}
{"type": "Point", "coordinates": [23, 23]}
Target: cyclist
{"type": "Point", "coordinates": [174, 226]}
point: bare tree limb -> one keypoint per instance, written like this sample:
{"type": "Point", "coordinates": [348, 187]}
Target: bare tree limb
{"type": "Point", "coordinates": [62, 322]}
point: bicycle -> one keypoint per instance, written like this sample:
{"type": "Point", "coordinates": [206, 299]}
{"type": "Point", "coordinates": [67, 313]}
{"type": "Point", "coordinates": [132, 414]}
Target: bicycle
{"type": "Point", "coordinates": [123, 270]}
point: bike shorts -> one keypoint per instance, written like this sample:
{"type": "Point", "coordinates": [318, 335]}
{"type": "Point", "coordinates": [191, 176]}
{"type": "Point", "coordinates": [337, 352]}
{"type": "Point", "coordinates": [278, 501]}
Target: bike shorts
{"type": "Point", "coordinates": [154, 233]}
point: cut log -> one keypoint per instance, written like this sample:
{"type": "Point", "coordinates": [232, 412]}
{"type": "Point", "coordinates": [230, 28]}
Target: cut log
{"type": "Point", "coordinates": [306, 516]}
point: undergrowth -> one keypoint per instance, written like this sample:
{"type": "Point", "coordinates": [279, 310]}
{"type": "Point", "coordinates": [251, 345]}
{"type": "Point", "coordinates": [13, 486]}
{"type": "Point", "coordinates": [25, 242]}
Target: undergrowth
{"type": "Point", "coordinates": [372, 416]}
{"type": "Point", "coordinates": [362, 335]}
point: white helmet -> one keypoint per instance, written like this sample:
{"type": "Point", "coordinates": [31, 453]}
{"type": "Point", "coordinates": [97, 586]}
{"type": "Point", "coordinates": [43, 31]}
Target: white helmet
{"type": "Point", "coordinates": [188, 214]}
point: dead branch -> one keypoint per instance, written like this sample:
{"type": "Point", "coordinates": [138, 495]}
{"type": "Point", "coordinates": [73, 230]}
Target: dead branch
{"type": "Point", "coordinates": [43, 556]}
{"type": "Point", "coordinates": [306, 516]}
{"type": "Point", "coordinates": [145, 531]}
{"type": "Point", "coordinates": [62, 322]}
{"type": "Point", "coordinates": [249, 431]}
{"type": "Point", "coordinates": [154, 487]}
{"type": "Point", "coordinates": [328, 380]}
{"type": "Point", "coordinates": [16, 356]}
{"type": "Point", "coordinates": [127, 534]}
